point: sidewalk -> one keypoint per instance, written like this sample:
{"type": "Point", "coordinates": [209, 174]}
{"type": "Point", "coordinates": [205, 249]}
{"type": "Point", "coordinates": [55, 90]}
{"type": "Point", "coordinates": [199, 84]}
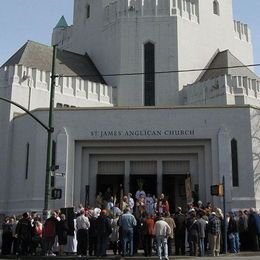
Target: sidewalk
{"type": "Point", "coordinates": [242, 256]}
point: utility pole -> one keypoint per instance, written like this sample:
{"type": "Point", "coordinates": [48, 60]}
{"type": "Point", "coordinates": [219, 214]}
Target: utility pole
{"type": "Point", "coordinates": [225, 211]}
{"type": "Point", "coordinates": [49, 142]}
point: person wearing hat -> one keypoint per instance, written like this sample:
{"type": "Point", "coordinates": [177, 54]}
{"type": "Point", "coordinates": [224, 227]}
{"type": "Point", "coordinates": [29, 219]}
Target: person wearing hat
{"type": "Point", "coordinates": [214, 234]}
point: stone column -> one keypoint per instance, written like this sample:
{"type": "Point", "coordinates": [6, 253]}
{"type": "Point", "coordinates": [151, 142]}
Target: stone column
{"type": "Point", "coordinates": [159, 176]}
{"type": "Point", "coordinates": [127, 177]}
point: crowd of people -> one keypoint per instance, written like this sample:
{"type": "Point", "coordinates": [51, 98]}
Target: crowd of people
{"type": "Point", "coordinates": [142, 222]}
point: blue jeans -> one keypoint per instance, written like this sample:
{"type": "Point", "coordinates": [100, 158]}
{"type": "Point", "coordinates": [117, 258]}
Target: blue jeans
{"type": "Point", "coordinates": [234, 242]}
{"type": "Point", "coordinates": [162, 242]}
{"type": "Point", "coordinates": [128, 242]}
{"type": "Point", "coordinates": [201, 246]}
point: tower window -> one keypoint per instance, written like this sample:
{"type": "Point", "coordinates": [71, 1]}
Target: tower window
{"type": "Point", "coordinates": [27, 161]}
{"type": "Point", "coordinates": [149, 74]}
{"type": "Point", "coordinates": [216, 7]}
{"type": "Point", "coordinates": [234, 158]}
{"type": "Point", "coordinates": [87, 11]}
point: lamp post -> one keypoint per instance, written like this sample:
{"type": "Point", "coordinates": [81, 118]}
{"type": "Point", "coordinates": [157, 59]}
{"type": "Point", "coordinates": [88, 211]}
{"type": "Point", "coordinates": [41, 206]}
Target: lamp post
{"type": "Point", "coordinates": [49, 142]}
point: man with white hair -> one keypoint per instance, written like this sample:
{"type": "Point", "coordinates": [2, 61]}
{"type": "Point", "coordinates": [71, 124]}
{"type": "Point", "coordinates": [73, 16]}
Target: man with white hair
{"type": "Point", "coordinates": [162, 232]}
{"type": "Point", "coordinates": [82, 223]}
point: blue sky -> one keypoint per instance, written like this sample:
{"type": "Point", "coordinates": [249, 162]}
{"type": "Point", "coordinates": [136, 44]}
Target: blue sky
{"type": "Point", "coordinates": [22, 20]}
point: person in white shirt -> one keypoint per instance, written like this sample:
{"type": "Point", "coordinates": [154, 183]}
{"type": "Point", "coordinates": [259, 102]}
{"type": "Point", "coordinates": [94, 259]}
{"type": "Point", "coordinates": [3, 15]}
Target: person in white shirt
{"type": "Point", "coordinates": [162, 231]}
{"type": "Point", "coordinates": [82, 224]}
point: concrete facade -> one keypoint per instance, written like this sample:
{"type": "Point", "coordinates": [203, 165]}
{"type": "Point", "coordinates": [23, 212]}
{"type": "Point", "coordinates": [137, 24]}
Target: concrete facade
{"type": "Point", "coordinates": [202, 137]}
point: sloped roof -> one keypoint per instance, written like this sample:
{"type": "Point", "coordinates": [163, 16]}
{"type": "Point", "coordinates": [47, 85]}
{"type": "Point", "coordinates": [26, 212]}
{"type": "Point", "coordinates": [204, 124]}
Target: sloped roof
{"type": "Point", "coordinates": [225, 60]}
{"type": "Point", "coordinates": [62, 23]}
{"type": "Point", "coordinates": [36, 55]}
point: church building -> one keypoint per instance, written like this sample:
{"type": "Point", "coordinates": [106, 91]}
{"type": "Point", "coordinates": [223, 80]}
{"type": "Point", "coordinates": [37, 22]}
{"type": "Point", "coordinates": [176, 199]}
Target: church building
{"type": "Point", "coordinates": [151, 92]}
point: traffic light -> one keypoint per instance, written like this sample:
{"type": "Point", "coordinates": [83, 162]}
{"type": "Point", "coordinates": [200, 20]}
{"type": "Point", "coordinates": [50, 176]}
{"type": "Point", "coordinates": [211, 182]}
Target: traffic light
{"type": "Point", "coordinates": [217, 190]}
{"type": "Point", "coordinates": [56, 194]}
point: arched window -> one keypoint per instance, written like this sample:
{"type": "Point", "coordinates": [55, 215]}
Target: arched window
{"type": "Point", "coordinates": [149, 74]}
{"type": "Point", "coordinates": [234, 158]}
{"type": "Point", "coordinates": [216, 7]}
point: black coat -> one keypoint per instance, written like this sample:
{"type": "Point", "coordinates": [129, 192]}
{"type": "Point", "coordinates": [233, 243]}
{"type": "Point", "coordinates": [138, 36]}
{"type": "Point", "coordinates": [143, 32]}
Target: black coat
{"type": "Point", "coordinates": [180, 222]}
{"type": "Point", "coordinates": [103, 226]}
{"type": "Point", "coordinates": [62, 231]}
{"type": "Point", "coordinates": [24, 229]}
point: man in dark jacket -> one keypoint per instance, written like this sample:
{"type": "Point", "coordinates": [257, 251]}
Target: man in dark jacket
{"type": "Point", "coordinates": [202, 223]}
{"type": "Point", "coordinates": [180, 231]}
{"type": "Point", "coordinates": [7, 236]}
{"type": "Point", "coordinates": [243, 230]}
{"type": "Point", "coordinates": [254, 229]}
{"type": "Point", "coordinates": [103, 227]}
{"type": "Point", "coordinates": [23, 232]}
{"type": "Point", "coordinates": [193, 232]}
{"type": "Point", "coordinates": [92, 234]}
{"type": "Point", "coordinates": [233, 235]}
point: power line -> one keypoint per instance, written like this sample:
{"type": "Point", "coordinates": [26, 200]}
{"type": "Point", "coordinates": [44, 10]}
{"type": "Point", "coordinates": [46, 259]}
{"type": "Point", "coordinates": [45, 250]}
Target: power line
{"type": "Point", "coordinates": [158, 72]}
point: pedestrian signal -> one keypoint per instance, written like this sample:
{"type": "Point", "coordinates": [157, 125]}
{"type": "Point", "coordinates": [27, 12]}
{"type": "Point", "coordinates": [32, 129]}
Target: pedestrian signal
{"type": "Point", "coordinates": [217, 190]}
{"type": "Point", "coordinates": [56, 194]}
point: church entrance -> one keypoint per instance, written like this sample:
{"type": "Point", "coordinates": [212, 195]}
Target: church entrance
{"type": "Point", "coordinates": [113, 182]}
{"type": "Point", "coordinates": [174, 190]}
{"type": "Point", "coordinates": [148, 183]}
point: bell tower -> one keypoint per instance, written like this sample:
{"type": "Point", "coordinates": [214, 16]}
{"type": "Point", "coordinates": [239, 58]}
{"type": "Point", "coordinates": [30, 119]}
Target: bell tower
{"type": "Point", "coordinates": [137, 38]}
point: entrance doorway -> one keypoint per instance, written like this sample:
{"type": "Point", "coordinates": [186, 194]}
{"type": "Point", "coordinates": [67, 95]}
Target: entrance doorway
{"type": "Point", "coordinates": [149, 183]}
{"type": "Point", "coordinates": [174, 190]}
{"type": "Point", "coordinates": [114, 182]}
